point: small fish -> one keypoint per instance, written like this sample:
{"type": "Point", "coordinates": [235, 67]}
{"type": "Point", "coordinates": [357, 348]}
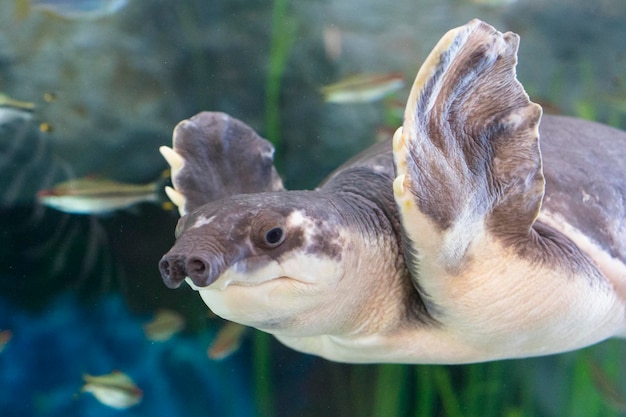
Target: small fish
{"type": "Point", "coordinates": [362, 88]}
{"type": "Point", "coordinates": [166, 323]}
{"type": "Point", "coordinates": [97, 196]}
{"type": "Point", "coordinates": [6, 101]}
{"type": "Point", "coordinates": [227, 340]}
{"type": "Point", "coordinates": [70, 9]}
{"type": "Point", "coordinates": [5, 337]}
{"type": "Point", "coordinates": [116, 389]}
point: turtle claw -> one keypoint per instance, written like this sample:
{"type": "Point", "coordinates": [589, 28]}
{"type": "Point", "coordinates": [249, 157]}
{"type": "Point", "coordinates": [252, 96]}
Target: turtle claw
{"type": "Point", "coordinates": [399, 149]}
{"type": "Point", "coordinates": [174, 160]}
{"type": "Point", "coordinates": [177, 198]}
{"type": "Point", "coordinates": [399, 190]}
{"type": "Point", "coordinates": [400, 155]}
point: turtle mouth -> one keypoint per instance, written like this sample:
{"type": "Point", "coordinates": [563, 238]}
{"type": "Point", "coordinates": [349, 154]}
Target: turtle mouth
{"type": "Point", "coordinates": [249, 272]}
{"type": "Point", "coordinates": [222, 283]}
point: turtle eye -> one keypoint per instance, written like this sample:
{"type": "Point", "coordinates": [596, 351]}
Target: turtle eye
{"type": "Point", "coordinates": [268, 230]}
{"type": "Point", "coordinates": [274, 237]}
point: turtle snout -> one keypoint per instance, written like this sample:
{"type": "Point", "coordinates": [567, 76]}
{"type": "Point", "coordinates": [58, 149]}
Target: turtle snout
{"type": "Point", "coordinates": [175, 268]}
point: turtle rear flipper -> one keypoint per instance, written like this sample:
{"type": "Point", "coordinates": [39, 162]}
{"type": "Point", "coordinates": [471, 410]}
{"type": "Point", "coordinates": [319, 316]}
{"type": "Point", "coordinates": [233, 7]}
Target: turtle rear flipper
{"type": "Point", "coordinates": [214, 156]}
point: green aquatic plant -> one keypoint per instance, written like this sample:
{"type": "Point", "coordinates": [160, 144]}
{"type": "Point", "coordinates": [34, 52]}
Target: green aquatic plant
{"type": "Point", "coordinates": [511, 388]}
{"type": "Point", "coordinates": [282, 37]}
{"type": "Point", "coordinates": [263, 385]}
{"type": "Point", "coordinates": [388, 402]}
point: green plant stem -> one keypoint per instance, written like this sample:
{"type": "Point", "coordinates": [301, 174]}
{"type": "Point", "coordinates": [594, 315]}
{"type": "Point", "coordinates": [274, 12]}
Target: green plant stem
{"type": "Point", "coordinates": [425, 406]}
{"type": "Point", "coordinates": [263, 375]}
{"type": "Point", "coordinates": [390, 387]}
{"type": "Point", "coordinates": [449, 400]}
{"type": "Point", "coordinates": [282, 36]}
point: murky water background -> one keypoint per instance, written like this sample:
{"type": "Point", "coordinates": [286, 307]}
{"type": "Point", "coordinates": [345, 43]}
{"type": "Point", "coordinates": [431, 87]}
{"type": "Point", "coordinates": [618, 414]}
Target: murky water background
{"type": "Point", "coordinates": [106, 92]}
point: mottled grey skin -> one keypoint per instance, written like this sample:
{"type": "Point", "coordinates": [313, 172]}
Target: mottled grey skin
{"type": "Point", "coordinates": [479, 242]}
{"type": "Point", "coordinates": [585, 172]}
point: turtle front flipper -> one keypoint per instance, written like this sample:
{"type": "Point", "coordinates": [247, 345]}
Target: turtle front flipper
{"type": "Point", "coordinates": [215, 156]}
{"type": "Point", "coordinates": [467, 156]}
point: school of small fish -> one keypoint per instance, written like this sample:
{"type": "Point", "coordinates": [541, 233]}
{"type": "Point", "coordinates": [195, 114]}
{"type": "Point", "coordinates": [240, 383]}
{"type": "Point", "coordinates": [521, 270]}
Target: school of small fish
{"type": "Point", "coordinates": [24, 145]}
{"type": "Point", "coordinates": [117, 389]}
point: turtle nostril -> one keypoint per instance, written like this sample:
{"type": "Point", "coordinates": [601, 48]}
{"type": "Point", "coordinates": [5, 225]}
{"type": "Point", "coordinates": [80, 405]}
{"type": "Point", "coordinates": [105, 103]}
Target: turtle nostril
{"type": "Point", "coordinates": [198, 270]}
{"type": "Point", "coordinates": [164, 267]}
{"type": "Point", "coordinates": [196, 266]}
{"type": "Point", "coordinates": [172, 270]}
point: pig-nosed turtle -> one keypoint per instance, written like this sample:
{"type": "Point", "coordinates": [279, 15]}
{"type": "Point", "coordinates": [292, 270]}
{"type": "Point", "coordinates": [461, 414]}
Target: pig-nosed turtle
{"type": "Point", "coordinates": [462, 240]}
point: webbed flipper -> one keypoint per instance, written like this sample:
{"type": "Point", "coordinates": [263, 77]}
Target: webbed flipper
{"type": "Point", "coordinates": [467, 157]}
{"type": "Point", "coordinates": [214, 156]}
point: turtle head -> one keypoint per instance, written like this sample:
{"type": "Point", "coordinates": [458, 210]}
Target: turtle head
{"type": "Point", "coordinates": [274, 261]}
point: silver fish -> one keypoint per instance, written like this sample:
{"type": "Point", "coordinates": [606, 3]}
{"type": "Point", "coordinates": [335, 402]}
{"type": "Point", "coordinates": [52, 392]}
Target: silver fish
{"type": "Point", "coordinates": [362, 88]}
{"type": "Point", "coordinates": [97, 195]}
{"type": "Point", "coordinates": [71, 9]}
{"type": "Point", "coordinates": [115, 390]}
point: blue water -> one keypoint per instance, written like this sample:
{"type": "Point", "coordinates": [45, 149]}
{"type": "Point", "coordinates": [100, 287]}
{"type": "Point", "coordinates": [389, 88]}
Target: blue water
{"type": "Point", "coordinates": [41, 367]}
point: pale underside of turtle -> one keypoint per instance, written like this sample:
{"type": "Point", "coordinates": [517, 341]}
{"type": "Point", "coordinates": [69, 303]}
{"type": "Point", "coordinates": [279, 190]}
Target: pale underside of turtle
{"type": "Point", "coordinates": [464, 239]}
